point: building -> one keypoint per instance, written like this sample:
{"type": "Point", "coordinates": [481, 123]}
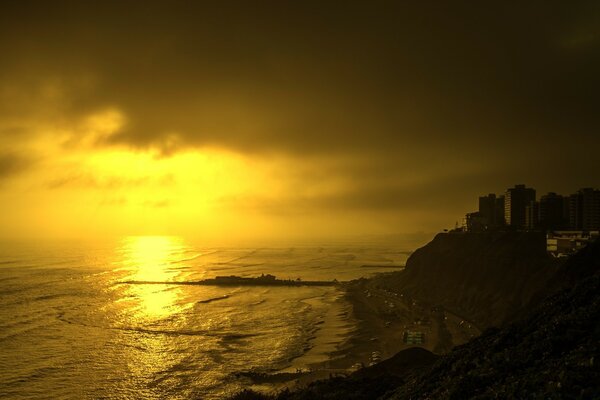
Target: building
{"type": "Point", "coordinates": [499, 210]}
{"type": "Point", "coordinates": [414, 337]}
{"type": "Point", "coordinates": [565, 243]}
{"type": "Point", "coordinates": [475, 222]}
{"type": "Point", "coordinates": [575, 212]}
{"type": "Point", "coordinates": [532, 211]}
{"type": "Point", "coordinates": [516, 201]}
{"type": "Point", "coordinates": [487, 206]}
{"type": "Point", "coordinates": [584, 210]}
{"type": "Point", "coordinates": [552, 212]}
{"type": "Point", "coordinates": [491, 210]}
{"type": "Point", "coordinates": [518, 209]}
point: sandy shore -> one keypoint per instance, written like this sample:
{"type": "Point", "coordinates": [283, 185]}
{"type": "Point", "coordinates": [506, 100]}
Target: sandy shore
{"type": "Point", "coordinates": [381, 319]}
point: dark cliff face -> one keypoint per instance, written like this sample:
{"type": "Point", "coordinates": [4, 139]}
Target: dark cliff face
{"type": "Point", "coordinates": [484, 277]}
{"type": "Point", "coordinates": [579, 266]}
{"type": "Point", "coordinates": [551, 352]}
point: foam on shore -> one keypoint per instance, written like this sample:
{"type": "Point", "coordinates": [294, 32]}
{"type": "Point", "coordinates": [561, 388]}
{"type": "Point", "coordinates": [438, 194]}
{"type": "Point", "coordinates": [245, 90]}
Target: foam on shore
{"type": "Point", "coordinates": [332, 332]}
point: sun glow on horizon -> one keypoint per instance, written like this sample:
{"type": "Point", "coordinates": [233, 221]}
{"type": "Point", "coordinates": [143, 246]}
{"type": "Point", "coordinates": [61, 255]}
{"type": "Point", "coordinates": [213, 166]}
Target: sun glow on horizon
{"type": "Point", "coordinates": [80, 189]}
{"type": "Point", "coordinates": [84, 184]}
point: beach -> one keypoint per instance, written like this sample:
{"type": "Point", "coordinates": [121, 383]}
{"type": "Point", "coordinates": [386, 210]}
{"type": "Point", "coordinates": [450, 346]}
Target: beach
{"type": "Point", "coordinates": [384, 323]}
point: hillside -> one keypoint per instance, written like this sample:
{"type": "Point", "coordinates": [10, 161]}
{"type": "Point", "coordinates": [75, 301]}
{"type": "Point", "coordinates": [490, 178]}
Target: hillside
{"type": "Point", "coordinates": [554, 353]}
{"type": "Point", "coordinates": [485, 277]}
{"type": "Point", "coordinates": [551, 352]}
{"type": "Point", "coordinates": [367, 383]}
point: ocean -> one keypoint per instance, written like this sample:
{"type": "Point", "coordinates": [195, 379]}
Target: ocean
{"type": "Point", "coordinates": [70, 329]}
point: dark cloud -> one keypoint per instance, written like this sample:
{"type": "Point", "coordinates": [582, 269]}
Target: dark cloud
{"type": "Point", "coordinates": [505, 91]}
{"type": "Point", "coordinates": [318, 76]}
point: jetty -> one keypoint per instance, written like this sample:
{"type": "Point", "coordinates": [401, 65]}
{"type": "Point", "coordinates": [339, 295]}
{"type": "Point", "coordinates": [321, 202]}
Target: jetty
{"type": "Point", "coordinates": [233, 280]}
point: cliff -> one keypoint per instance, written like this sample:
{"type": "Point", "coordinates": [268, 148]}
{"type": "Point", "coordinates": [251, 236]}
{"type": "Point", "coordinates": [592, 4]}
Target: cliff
{"type": "Point", "coordinates": [552, 352]}
{"type": "Point", "coordinates": [484, 277]}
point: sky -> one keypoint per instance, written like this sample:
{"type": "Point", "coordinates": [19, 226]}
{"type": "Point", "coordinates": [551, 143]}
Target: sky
{"type": "Point", "coordinates": [230, 121]}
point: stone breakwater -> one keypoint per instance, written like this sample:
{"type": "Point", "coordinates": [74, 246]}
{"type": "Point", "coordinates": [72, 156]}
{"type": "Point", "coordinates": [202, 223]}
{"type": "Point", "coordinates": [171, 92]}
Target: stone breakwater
{"type": "Point", "coordinates": [264, 280]}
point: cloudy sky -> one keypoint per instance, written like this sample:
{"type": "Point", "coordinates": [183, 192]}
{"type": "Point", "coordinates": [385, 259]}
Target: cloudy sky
{"type": "Point", "coordinates": [236, 120]}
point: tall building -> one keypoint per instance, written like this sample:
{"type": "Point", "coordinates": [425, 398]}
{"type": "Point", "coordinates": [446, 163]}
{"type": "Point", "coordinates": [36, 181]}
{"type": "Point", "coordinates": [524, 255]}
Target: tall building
{"type": "Point", "coordinates": [551, 212]}
{"type": "Point", "coordinates": [499, 210]}
{"type": "Point", "coordinates": [486, 209]}
{"type": "Point", "coordinates": [515, 201]}
{"type": "Point", "coordinates": [567, 211]}
{"type": "Point", "coordinates": [584, 210]}
{"type": "Point", "coordinates": [532, 211]}
{"type": "Point", "coordinates": [491, 210]}
{"type": "Point", "coordinates": [575, 211]}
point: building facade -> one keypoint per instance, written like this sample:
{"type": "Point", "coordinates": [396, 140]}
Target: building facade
{"type": "Point", "coordinates": [518, 209]}
{"type": "Point", "coordinates": [584, 210]}
{"type": "Point", "coordinates": [491, 210]}
{"type": "Point", "coordinates": [552, 212]}
{"type": "Point", "coordinates": [516, 201]}
{"type": "Point", "coordinates": [532, 211]}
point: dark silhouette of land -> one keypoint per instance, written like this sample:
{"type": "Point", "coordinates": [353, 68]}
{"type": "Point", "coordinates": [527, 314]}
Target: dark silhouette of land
{"type": "Point", "coordinates": [485, 277]}
{"type": "Point", "coordinates": [544, 343]}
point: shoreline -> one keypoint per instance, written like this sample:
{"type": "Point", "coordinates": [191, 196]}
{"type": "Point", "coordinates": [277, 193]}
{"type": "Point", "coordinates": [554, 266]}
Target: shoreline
{"type": "Point", "coordinates": [380, 319]}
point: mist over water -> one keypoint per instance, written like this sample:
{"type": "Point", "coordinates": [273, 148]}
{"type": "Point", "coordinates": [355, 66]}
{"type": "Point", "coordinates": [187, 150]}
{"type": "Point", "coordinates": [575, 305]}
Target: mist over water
{"type": "Point", "coordinates": [69, 329]}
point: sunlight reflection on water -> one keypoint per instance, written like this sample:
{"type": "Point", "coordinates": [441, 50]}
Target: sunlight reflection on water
{"type": "Point", "coordinates": [68, 306]}
{"type": "Point", "coordinates": [150, 258]}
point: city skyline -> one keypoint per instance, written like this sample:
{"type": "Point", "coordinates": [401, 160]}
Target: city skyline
{"type": "Point", "coordinates": [519, 208]}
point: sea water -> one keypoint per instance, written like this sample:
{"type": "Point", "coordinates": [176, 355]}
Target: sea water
{"type": "Point", "coordinates": [70, 329]}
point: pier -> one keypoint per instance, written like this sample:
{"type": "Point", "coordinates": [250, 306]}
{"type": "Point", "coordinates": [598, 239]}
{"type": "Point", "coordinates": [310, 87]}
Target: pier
{"type": "Point", "coordinates": [233, 280]}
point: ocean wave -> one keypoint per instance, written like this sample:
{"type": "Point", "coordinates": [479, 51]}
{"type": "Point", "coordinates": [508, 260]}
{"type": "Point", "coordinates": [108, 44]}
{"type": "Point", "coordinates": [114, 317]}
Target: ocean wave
{"type": "Point", "coordinates": [53, 296]}
{"type": "Point", "coordinates": [225, 296]}
{"type": "Point", "coordinates": [224, 336]}
{"type": "Point", "coordinates": [185, 259]}
{"type": "Point", "coordinates": [31, 299]}
{"type": "Point", "coordinates": [8, 278]}
{"type": "Point", "coordinates": [257, 303]}
{"type": "Point", "coordinates": [21, 332]}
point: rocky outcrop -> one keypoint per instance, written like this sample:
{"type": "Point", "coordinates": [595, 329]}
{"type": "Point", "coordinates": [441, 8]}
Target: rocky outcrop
{"type": "Point", "coordinates": [484, 277]}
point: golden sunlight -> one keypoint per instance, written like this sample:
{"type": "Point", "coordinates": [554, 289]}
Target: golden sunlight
{"type": "Point", "coordinates": [150, 259]}
{"type": "Point", "coordinates": [82, 190]}
{"type": "Point", "coordinates": [152, 255]}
